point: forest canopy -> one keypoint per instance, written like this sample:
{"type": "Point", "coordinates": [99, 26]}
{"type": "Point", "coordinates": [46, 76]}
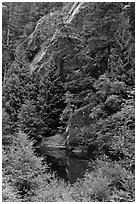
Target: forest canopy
{"type": "Point", "coordinates": [68, 66]}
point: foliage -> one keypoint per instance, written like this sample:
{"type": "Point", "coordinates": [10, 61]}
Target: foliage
{"type": "Point", "coordinates": [28, 105]}
{"type": "Point", "coordinates": [21, 167]}
{"type": "Point", "coordinates": [14, 93]}
{"type": "Point", "coordinates": [108, 182]}
{"type": "Point", "coordinates": [111, 131]}
{"type": "Point", "coordinates": [30, 121]}
{"type": "Point", "coordinates": [19, 20]}
{"type": "Point", "coordinates": [40, 114]}
{"type": "Point", "coordinates": [69, 66]}
{"type": "Point", "coordinates": [8, 193]}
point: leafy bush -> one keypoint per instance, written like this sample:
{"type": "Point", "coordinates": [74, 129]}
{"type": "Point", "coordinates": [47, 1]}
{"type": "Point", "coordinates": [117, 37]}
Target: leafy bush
{"type": "Point", "coordinates": [118, 88]}
{"type": "Point", "coordinates": [112, 135]}
{"type": "Point", "coordinates": [112, 104]}
{"type": "Point", "coordinates": [108, 182]}
{"type": "Point", "coordinates": [9, 194]}
{"type": "Point", "coordinates": [116, 134]}
{"type": "Point", "coordinates": [56, 191]}
{"type": "Point", "coordinates": [22, 166]}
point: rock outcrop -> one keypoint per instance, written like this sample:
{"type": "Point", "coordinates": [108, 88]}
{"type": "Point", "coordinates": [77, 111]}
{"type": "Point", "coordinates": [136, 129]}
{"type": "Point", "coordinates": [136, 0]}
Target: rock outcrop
{"type": "Point", "coordinates": [49, 28]}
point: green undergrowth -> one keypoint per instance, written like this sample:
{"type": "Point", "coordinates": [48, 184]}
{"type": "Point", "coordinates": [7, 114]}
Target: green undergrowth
{"type": "Point", "coordinates": [25, 179]}
{"type": "Point", "coordinates": [113, 135]}
{"type": "Point", "coordinates": [68, 69]}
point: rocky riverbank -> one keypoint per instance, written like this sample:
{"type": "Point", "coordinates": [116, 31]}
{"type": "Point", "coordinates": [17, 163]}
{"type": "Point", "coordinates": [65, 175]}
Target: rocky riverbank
{"type": "Point", "coordinates": [57, 141]}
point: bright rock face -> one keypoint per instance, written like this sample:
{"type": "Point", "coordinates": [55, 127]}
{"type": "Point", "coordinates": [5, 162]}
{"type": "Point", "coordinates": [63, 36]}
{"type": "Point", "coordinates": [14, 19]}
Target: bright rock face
{"type": "Point", "coordinates": [51, 27]}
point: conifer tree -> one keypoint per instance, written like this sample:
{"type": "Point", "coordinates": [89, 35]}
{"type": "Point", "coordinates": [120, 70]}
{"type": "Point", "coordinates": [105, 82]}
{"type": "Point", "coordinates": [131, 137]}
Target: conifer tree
{"type": "Point", "coordinates": [40, 115]}
{"type": "Point", "coordinates": [14, 92]}
{"type": "Point", "coordinates": [22, 169]}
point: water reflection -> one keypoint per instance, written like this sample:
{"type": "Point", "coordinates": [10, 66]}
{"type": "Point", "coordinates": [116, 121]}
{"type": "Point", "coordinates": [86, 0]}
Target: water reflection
{"type": "Point", "coordinates": [66, 165]}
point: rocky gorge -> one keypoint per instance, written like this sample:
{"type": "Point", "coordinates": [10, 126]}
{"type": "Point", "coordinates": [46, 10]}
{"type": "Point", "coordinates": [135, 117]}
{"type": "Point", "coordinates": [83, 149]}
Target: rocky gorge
{"type": "Point", "coordinates": [68, 71]}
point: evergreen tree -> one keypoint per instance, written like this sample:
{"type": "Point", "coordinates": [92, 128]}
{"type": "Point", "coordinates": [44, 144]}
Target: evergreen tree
{"type": "Point", "coordinates": [98, 31]}
{"type": "Point", "coordinates": [22, 169]}
{"type": "Point", "coordinates": [40, 115]}
{"type": "Point", "coordinates": [68, 65]}
{"type": "Point", "coordinates": [14, 92]}
{"type": "Point", "coordinates": [122, 55]}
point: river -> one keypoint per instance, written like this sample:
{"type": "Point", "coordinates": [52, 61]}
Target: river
{"type": "Point", "coordinates": [65, 164]}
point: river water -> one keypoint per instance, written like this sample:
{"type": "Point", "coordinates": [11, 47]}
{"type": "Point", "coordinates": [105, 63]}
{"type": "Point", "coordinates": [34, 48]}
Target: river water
{"type": "Point", "coordinates": [65, 164]}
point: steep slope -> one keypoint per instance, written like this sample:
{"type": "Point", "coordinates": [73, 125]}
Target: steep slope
{"type": "Point", "coordinates": [84, 42]}
{"type": "Point", "coordinates": [49, 29]}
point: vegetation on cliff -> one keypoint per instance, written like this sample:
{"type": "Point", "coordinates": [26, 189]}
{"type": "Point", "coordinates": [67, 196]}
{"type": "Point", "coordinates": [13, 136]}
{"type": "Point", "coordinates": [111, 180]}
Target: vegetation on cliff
{"type": "Point", "coordinates": [69, 66]}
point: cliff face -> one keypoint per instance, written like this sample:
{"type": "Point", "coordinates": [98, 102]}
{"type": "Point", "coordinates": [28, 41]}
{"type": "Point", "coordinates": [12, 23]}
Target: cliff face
{"type": "Point", "coordinates": [48, 32]}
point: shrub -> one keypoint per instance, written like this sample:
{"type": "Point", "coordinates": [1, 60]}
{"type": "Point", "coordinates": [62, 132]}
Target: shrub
{"type": "Point", "coordinates": [23, 167]}
{"type": "Point", "coordinates": [56, 191]}
{"type": "Point", "coordinates": [118, 88]}
{"type": "Point", "coordinates": [9, 194]}
{"type": "Point", "coordinates": [25, 179]}
{"type": "Point", "coordinates": [108, 182]}
{"type": "Point", "coordinates": [113, 104]}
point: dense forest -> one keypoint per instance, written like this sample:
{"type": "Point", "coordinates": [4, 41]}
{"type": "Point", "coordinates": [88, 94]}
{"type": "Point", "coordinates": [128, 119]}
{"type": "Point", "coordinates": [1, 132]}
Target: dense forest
{"type": "Point", "coordinates": [68, 69]}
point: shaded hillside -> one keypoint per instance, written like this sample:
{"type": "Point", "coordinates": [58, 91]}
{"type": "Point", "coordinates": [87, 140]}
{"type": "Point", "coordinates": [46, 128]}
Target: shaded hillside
{"type": "Point", "coordinates": [69, 69]}
{"type": "Point", "coordinates": [86, 51]}
{"type": "Point", "coordinates": [83, 54]}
